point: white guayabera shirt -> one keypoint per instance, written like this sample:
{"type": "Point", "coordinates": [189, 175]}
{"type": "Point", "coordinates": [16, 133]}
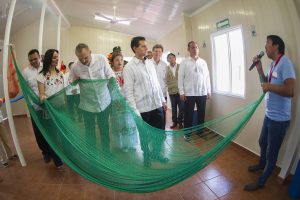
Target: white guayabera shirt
{"type": "Point", "coordinates": [193, 78]}
{"type": "Point", "coordinates": [141, 87]}
{"type": "Point", "coordinates": [94, 97]}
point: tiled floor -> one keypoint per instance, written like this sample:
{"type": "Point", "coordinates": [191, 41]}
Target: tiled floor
{"type": "Point", "coordinates": [223, 179]}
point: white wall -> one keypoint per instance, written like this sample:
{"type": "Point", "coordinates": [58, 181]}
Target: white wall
{"type": "Point", "coordinates": [175, 42]}
{"type": "Point", "coordinates": [99, 40]}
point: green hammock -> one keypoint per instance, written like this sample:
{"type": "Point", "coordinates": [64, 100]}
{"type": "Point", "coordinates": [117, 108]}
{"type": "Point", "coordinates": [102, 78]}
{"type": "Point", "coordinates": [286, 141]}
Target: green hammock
{"type": "Point", "coordinates": [125, 153]}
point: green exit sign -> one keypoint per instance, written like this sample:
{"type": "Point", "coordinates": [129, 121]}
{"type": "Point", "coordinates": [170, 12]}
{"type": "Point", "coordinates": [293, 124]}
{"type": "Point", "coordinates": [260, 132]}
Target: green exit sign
{"type": "Point", "coordinates": [223, 24]}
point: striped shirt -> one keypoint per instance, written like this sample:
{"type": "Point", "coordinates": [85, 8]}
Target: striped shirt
{"type": "Point", "coordinates": [141, 87]}
{"type": "Point", "coordinates": [161, 69]}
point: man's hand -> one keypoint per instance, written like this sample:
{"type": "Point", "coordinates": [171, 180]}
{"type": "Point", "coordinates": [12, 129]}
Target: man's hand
{"type": "Point", "coordinates": [208, 96]}
{"type": "Point", "coordinates": [258, 63]}
{"type": "Point", "coordinates": [1, 102]}
{"type": "Point", "coordinates": [266, 87]}
{"type": "Point", "coordinates": [165, 107]}
{"type": "Point", "coordinates": [75, 77]}
{"type": "Point", "coordinates": [74, 91]}
{"type": "Point", "coordinates": [182, 97]}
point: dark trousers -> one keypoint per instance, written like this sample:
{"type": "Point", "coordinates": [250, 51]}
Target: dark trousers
{"type": "Point", "coordinates": [40, 140]}
{"type": "Point", "coordinates": [164, 111]}
{"type": "Point", "coordinates": [271, 138]}
{"type": "Point", "coordinates": [72, 103]}
{"type": "Point", "coordinates": [189, 105]}
{"type": "Point", "coordinates": [44, 146]}
{"type": "Point", "coordinates": [176, 102]}
{"type": "Point", "coordinates": [155, 119]}
{"type": "Point", "coordinates": [90, 119]}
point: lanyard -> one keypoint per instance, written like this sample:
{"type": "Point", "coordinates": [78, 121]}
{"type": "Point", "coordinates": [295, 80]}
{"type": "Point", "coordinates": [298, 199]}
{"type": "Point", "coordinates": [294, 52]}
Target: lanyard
{"type": "Point", "coordinates": [273, 67]}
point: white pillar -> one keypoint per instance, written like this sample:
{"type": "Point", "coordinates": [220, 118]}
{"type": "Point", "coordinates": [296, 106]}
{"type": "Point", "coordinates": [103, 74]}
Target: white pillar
{"type": "Point", "coordinates": [58, 32]}
{"type": "Point", "coordinates": [5, 83]}
{"type": "Point", "coordinates": [41, 30]}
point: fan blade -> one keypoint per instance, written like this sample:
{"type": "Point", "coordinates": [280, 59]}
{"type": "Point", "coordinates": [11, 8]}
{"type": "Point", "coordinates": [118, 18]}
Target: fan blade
{"type": "Point", "coordinates": [126, 19]}
{"type": "Point", "coordinates": [103, 16]}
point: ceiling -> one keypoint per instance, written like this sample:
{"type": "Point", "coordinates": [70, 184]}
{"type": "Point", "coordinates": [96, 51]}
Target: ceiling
{"type": "Point", "coordinates": [155, 18]}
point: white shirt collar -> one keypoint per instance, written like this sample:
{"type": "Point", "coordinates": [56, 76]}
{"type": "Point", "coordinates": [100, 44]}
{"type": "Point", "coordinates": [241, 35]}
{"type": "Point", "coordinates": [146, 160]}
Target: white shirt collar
{"type": "Point", "coordinates": [193, 58]}
{"type": "Point", "coordinates": [155, 61]}
{"type": "Point", "coordinates": [136, 60]}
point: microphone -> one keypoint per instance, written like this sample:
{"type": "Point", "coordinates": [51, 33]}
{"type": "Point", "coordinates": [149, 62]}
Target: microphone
{"type": "Point", "coordinates": [259, 56]}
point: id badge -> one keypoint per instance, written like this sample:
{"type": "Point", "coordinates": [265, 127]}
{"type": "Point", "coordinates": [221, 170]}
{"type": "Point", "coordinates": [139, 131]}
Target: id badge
{"type": "Point", "coordinates": [267, 96]}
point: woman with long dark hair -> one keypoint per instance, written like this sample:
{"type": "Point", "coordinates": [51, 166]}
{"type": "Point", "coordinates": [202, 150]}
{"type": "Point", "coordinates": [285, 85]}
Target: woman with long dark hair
{"type": "Point", "coordinates": [50, 81]}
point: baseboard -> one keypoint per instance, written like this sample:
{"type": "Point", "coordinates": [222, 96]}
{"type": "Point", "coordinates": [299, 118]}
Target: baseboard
{"type": "Point", "coordinates": [20, 115]}
{"type": "Point", "coordinates": [16, 116]}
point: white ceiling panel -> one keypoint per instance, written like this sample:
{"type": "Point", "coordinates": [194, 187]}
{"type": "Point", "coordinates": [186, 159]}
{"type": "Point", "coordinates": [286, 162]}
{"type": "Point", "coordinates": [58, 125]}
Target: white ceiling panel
{"type": "Point", "coordinates": [155, 18]}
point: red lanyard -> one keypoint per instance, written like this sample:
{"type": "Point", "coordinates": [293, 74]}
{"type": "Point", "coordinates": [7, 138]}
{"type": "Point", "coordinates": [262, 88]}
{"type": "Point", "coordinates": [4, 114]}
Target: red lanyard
{"type": "Point", "coordinates": [273, 67]}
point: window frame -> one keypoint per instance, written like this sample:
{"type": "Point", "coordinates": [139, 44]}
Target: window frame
{"type": "Point", "coordinates": [214, 70]}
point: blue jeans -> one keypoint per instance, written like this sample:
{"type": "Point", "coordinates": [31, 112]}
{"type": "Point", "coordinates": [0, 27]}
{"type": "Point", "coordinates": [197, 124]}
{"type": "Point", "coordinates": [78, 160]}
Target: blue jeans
{"type": "Point", "coordinates": [271, 138]}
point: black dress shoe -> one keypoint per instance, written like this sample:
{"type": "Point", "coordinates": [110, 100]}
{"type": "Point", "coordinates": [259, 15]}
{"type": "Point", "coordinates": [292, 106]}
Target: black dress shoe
{"type": "Point", "coordinates": [5, 165]}
{"type": "Point", "coordinates": [252, 187]}
{"type": "Point", "coordinates": [47, 158]}
{"type": "Point", "coordinates": [187, 137]}
{"type": "Point", "coordinates": [159, 158]}
{"type": "Point", "coordinates": [174, 125]}
{"type": "Point", "coordinates": [147, 162]}
{"type": "Point", "coordinates": [162, 159]}
{"type": "Point", "coordinates": [12, 157]}
{"type": "Point", "coordinates": [254, 168]}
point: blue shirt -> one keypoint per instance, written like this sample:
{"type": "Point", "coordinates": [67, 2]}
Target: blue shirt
{"type": "Point", "coordinates": [278, 108]}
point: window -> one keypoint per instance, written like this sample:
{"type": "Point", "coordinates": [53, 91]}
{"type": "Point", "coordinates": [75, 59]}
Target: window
{"type": "Point", "coordinates": [229, 62]}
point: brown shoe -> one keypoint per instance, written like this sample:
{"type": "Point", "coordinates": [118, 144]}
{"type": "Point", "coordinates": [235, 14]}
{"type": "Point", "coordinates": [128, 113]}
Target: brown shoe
{"type": "Point", "coordinates": [174, 125]}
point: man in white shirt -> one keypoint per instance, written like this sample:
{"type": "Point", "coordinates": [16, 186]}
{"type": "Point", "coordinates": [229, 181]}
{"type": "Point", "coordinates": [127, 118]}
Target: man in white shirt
{"type": "Point", "coordinates": [30, 74]}
{"type": "Point", "coordinates": [194, 85]}
{"type": "Point", "coordinates": [94, 97]}
{"type": "Point", "coordinates": [143, 92]}
{"type": "Point", "coordinates": [160, 67]}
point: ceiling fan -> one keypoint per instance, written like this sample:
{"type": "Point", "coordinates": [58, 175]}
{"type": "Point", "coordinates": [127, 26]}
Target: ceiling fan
{"type": "Point", "coordinates": [113, 19]}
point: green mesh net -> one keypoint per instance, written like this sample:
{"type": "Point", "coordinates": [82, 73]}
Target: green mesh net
{"type": "Point", "coordinates": [121, 151]}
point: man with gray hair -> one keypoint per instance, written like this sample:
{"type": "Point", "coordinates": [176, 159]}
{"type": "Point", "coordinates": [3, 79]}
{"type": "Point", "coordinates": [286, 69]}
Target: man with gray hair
{"type": "Point", "coordinates": [161, 68]}
{"type": "Point", "coordinates": [94, 101]}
